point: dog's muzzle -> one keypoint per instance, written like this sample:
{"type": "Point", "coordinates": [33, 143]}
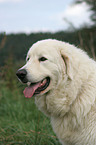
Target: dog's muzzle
{"type": "Point", "coordinates": [22, 75]}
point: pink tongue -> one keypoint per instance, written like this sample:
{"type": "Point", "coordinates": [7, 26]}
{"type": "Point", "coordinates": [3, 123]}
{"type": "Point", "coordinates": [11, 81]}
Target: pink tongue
{"type": "Point", "coordinates": [29, 91]}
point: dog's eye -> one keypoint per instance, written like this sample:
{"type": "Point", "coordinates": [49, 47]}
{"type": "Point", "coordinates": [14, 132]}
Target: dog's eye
{"type": "Point", "coordinates": [42, 59]}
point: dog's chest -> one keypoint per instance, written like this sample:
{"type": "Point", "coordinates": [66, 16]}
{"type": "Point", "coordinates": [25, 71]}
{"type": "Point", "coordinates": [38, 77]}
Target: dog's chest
{"type": "Point", "coordinates": [65, 130]}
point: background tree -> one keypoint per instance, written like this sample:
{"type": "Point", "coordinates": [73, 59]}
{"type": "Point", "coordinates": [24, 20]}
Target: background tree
{"type": "Point", "coordinates": [92, 7]}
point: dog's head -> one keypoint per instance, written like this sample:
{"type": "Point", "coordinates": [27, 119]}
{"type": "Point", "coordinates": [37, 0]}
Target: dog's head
{"type": "Point", "coordinates": [46, 65]}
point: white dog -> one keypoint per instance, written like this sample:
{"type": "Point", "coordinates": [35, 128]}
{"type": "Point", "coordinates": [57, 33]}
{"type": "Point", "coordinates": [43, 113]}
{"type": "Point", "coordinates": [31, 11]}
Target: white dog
{"type": "Point", "coordinates": [63, 80]}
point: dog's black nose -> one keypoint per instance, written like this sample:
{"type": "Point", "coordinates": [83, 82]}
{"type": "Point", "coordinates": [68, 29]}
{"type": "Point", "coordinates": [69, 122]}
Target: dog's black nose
{"type": "Point", "coordinates": [21, 74]}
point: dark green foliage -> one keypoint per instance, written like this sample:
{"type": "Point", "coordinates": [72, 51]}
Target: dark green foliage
{"type": "Point", "coordinates": [21, 122]}
{"type": "Point", "coordinates": [18, 44]}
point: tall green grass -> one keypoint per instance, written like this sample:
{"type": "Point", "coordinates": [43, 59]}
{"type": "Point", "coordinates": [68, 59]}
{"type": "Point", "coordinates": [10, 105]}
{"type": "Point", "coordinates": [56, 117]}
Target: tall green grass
{"type": "Point", "coordinates": [21, 123]}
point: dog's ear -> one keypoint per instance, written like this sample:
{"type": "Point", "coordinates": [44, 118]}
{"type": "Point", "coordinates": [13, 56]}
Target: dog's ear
{"type": "Point", "coordinates": [68, 65]}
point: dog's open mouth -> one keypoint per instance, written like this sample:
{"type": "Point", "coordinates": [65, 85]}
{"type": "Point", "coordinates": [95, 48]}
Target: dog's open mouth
{"type": "Point", "coordinates": [36, 88]}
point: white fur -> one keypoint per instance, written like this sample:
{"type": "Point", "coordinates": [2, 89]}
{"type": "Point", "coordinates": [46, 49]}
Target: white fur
{"type": "Point", "coordinates": [70, 100]}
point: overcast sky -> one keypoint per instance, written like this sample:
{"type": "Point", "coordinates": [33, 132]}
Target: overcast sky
{"type": "Point", "coordinates": [41, 15]}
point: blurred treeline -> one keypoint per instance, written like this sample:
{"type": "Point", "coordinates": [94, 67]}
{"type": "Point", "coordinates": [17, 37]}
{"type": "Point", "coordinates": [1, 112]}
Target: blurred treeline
{"type": "Point", "coordinates": [17, 45]}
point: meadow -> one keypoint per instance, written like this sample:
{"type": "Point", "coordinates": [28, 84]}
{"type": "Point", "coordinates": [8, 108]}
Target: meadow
{"type": "Point", "coordinates": [21, 123]}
